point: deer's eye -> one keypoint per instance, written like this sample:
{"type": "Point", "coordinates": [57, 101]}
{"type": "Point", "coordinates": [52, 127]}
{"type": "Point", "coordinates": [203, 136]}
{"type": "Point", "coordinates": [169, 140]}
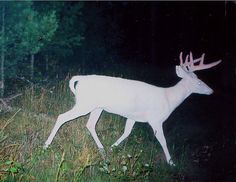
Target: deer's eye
{"type": "Point", "coordinates": [199, 83]}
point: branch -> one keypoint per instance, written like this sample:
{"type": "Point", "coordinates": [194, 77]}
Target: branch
{"type": "Point", "coordinates": [5, 103]}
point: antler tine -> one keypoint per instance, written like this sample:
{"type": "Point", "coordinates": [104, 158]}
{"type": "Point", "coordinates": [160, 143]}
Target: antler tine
{"type": "Point", "coordinates": [206, 66]}
{"type": "Point", "coordinates": [191, 61]}
{"type": "Point", "coordinates": [181, 58]}
{"type": "Point", "coordinates": [198, 59]}
{"type": "Point", "coordinates": [202, 59]}
{"type": "Point", "coordinates": [186, 64]}
{"type": "Point", "coordinates": [190, 67]}
{"type": "Point", "coordinates": [203, 66]}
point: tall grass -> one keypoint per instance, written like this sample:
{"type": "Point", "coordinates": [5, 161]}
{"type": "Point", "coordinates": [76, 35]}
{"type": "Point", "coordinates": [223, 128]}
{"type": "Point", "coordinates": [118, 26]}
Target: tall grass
{"type": "Point", "coordinates": [73, 155]}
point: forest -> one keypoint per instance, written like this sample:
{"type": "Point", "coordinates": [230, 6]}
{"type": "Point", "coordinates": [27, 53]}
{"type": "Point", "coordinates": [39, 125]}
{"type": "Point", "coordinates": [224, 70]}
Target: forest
{"type": "Point", "coordinates": [44, 43]}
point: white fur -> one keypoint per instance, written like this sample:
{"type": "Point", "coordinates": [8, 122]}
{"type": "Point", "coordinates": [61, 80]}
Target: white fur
{"type": "Point", "coordinates": [135, 100]}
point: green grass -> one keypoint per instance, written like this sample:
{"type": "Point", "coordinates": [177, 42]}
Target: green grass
{"type": "Point", "coordinates": [73, 154]}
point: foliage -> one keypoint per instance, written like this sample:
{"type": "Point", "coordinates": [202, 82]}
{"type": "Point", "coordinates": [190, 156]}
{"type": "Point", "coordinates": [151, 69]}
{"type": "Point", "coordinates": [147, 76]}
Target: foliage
{"type": "Point", "coordinates": [26, 32]}
{"type": "Point", "coordinates": [36, 30]}
{"type": "Point", "coordinates": [69, 34]}
{"type": "Point", "coordinates": [103, 37]}
{"type": "Point", "coordinates": [78, 35]}
{"type": "Point", "coordinates": [68, 37]}
{"type": "Point", "coordinates": [12, 167]}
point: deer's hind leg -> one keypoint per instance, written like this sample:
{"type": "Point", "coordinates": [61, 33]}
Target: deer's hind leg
{"type": "Point", "coordinates": [74, 113]}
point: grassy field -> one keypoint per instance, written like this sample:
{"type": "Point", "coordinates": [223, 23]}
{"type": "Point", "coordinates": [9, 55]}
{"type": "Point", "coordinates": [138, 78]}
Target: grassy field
{"type": "Point", "coordinates": [73, 155]}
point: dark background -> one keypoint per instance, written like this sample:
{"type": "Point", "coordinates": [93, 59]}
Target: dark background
{"type": "Point", "coordinates": [154, 33]}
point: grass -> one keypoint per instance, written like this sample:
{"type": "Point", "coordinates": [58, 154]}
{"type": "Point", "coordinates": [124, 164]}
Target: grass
{"type": "Point", "coordinates": [73, 155]}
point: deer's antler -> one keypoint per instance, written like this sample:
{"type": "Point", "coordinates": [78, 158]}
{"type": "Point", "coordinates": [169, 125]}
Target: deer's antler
{"type": "Point", "coordinates": [188, 64]}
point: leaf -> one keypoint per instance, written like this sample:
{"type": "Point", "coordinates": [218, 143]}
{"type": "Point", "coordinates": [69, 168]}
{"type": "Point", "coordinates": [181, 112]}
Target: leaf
{"type": "Point", "coordinates": [17, 165]}
{"type": "Point", "coordinates": [124, 168]}
{"type": "Point", "coordinates": [8, 162]}
{"type": "Point", "coordinates": [13, 170]}
{"type": "Point", "coordinates": [65, 167]}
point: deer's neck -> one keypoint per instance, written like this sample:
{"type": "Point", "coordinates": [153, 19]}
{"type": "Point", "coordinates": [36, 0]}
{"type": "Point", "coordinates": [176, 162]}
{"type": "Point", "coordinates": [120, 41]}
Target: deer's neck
{"type": "Point", "coordinates": [178, 93]}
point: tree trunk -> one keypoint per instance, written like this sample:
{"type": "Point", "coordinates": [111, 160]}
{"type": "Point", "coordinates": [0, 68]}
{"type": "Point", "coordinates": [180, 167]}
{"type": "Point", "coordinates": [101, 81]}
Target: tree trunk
{"type": "Point", "coordinates": [2, 86]}
{"type": "Point", "coordinates": [46, 57]}
{"type": "Point", "coordinates": [32, 67]}
{"type": "Point", "coordinates": [47, 66]}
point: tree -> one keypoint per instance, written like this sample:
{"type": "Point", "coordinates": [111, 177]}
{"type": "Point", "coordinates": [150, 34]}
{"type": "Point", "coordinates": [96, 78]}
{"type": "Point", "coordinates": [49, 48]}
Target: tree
{"type": "Point", "coordinates": [8, 34]}
{"type": "Point", "coordinates": [37, 30]}
{"type": "Point", "coordinates": [2, 51]}
{"type": "Point", "coordinates": [69, 34]}
{"type": "Point", "coordinates": [24, 32]}
{"type": "Point", "coordinates": [102, 34]}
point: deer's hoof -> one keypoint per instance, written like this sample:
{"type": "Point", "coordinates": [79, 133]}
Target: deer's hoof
{"type": "Point", "coordinates": [45, 146]}
{"type": "Point", "coordinates": [171, 163]}
{"type": "Point", "coordinates": [102, 152]}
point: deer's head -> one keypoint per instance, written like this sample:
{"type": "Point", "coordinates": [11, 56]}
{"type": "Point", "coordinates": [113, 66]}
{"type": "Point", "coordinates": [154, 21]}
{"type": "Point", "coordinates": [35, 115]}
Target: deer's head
{"type": "Point", "coordinates": [186, 71]}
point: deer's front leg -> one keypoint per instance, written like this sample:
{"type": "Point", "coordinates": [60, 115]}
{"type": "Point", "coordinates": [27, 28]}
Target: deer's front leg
{"type": "Point", "coordinates": [128, 127]}
{"type": "Point", "coordinates": [158, 131]}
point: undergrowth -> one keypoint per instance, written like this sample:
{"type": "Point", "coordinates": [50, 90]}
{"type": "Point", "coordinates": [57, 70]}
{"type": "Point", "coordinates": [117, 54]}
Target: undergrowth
{"type": "Point", "coordinates": [73, 155]}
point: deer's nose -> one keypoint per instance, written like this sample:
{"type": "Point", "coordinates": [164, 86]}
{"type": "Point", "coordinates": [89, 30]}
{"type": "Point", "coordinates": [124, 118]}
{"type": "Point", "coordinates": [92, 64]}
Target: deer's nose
{"type": "Point", "coordinates": [210, 92]}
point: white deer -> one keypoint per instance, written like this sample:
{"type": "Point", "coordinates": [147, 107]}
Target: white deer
{"type": "Point", "coordinates": [135, 100]}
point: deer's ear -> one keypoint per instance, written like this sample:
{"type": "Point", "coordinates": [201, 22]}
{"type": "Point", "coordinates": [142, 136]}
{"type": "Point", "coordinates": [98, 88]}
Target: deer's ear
{"type": "Point", "coordinates": [180, 72]}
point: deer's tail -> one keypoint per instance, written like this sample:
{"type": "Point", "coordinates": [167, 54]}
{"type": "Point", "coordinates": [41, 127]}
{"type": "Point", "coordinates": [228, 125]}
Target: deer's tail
{"type": "Point", "coordinates": [72, 82]}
